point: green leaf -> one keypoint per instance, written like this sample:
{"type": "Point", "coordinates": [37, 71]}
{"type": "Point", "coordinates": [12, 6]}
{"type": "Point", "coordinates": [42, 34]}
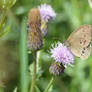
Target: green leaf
{"type": "Point", "coordinates": [12, 3]}
{"type": "Point", "coordinates": [37, 89]}
{"type": "Point", "coordinates": [50, 85]}
{"type": "Point", "coordinates": [15, 90]}
{"type": "Point", "coordinates": [6, 4]}
{"type": "Point", "coordinates": [5, 31]}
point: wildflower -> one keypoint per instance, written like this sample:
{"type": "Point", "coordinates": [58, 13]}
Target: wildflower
{"type": "Point", "coordinates": [56, 68]}
{"type": "Point", "coordinates": [34, 40]}
{"type": "Point", "coordinates": [62, 54]}
{"type": "Point", "coordinates": [47, 12]}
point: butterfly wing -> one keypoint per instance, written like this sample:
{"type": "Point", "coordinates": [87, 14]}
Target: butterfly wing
{"type": "Point", "coordinates": [80, 41]}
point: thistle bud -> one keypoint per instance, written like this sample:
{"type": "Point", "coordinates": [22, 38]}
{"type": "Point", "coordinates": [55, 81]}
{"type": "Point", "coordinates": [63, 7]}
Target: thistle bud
{"type": "Point", "coordinates": [56, 68]}
{"type": "Point", "coordinates": [34, 40]}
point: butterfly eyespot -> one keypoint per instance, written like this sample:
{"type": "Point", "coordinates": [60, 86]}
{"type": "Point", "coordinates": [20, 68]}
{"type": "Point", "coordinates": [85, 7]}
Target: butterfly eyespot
{"type": "Point", "coordinates": [80, 42]}
{"type": "Point", "coordinates": [83, 52]}
{"type": "Point", "coordinates": [84, 48]}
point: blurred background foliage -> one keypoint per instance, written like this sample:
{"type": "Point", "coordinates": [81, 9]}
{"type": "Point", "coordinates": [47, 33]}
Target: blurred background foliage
{"type": "Point", "coordinates": [70, 15]}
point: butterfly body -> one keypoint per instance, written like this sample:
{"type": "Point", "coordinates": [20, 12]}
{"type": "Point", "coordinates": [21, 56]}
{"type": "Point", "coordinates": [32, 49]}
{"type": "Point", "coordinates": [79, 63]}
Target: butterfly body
{"type": "Point", "coordinates": [79, 41]}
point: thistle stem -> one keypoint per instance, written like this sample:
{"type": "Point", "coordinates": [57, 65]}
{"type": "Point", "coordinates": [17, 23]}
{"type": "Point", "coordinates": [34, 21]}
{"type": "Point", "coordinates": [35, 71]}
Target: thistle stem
{"type": "Point", "coordinates": [23, 87]}
{"type": "Point", "coordinates": [34, 74]}
{"type": "Point", "coordinates": [49, 85]}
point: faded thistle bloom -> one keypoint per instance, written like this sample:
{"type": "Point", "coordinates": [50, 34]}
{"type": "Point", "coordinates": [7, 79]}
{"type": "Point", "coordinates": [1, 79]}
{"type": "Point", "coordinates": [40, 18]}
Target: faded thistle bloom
{"type": "Point", "coordinates": [34, 38]}
{"type": "Point", "coordinates": [62, 54]}
{"type": "Point", "coordinates": [56, 68]}
{"type": "Point", "coordinates": [47, 14]}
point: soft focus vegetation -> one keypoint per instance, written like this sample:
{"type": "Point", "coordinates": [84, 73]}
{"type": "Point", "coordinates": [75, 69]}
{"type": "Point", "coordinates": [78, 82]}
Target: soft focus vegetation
{"type": "Point", "coordinates": [70, 15]}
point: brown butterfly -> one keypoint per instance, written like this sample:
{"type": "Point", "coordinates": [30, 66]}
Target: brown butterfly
{"type": "Point", "coordinates": [79, 41]}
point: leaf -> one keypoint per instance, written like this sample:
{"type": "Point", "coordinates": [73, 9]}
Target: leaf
{"type": "Point", "coordinates": [6, 4]}
{"type": "Point", "coordinates": [15, 90]}
{"type": "Point", "coordinates": [5, 31]}
{"type": "Point", "coordinates": [12, 3]}
{"type": "Point", "coordinates": [50, 86]}
{"type": "Point", "coordinates": [37, 89]}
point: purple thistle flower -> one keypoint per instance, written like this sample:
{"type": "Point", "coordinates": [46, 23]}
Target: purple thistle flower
{"type": "Point", "coordinates": [62, 54]}
{"type": "Point", "coordinates": [47, 13]}
{"type": "Point", "coordinates": [56, 68]}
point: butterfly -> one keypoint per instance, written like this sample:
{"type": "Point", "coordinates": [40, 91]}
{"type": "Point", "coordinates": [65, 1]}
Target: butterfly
{"type": "Point", "coordinates": [79, 41]}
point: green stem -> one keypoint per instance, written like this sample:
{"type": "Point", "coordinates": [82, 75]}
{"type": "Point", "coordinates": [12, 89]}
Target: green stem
{"type": "Point", "coordinates": [49, 85]}
{"type": "Point", "coordinates": [23, 59]}
{"type": "Point", "coordinates": [34, 74]}
{"type": "Point", "coordinates": [61, 84]}
{"type": "Point", "coordinates": [90, 76]}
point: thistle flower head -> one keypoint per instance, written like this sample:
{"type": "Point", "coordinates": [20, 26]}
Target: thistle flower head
{"type": "Point", "coordinates": [34, 17]}
{"type": "Point", "coordinates": [47, 12]}
{"type": "Point", "coordinates": [34, 37]}
{"type": "Point", "coordinates": [56, 68]}
{"type": "Point", "coordinates": [62, 54]}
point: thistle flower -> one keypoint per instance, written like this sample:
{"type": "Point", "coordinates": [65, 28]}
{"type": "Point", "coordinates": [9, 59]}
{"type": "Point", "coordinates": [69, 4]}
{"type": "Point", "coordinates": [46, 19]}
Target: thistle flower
{"type": "Point", "coordinates": [34, 38]}
{"type": "Point", "coordinates": [34, 17]}
{"type": "Point", "coordinates": [62, 54]}
{"type": "Point", "coordinates": [56, 68]}
{"type": "Point", "coordinates": [47, 12]}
